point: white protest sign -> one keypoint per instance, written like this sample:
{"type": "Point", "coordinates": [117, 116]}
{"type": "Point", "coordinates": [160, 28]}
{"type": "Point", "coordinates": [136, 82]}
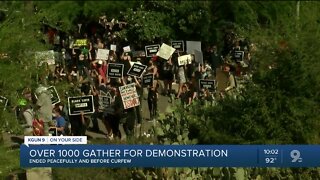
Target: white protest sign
{"type": "Point", "coordinates": [198, 56]}
{"type": "Point", "coordinates": [103, 54]}
{"type": "Point", "coordinates": [193, 45]}
{"type": "Point", "coordinates": [55, 140]}
{"type": "Point", "coordinates": [186, 59]}
{"type": "Point", "coordinates": [129, 96]}
{"type": "Point", "coordinates": [165, 51]}
{"type": "Point", "coordinates": [126, 49]}
{"type": "Point", "coordinates": [45, 56]}
{"type": "Point", "coordinates": [113, 47]}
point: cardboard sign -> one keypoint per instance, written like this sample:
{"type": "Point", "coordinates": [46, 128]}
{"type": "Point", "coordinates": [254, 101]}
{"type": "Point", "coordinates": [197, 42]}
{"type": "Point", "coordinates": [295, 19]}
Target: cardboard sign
{"type": "Point", "coordinates": [138, 54]}
{"type": "Point", "coordinates": [3, 102]}
{"type": "Point", "coordinates": [45, 57]}
{"type": "Point", "coordinates": [193, 45]}
{"type": "Point", "coordinates": [103, 54]}
{"type": "Point", "coordinates": [80, 43]}
{"type": "Point", "coordinates": [198, 56]}
{"type": "Point", "coordinates": [129, 96]}
{"type": "Point", "coordinates": [137, 69]}
{"type": "Point", "coordinates": [238, 55]}
{"type": "Point", "coordinates": [126, 49]}
{"type": "Point", "coordinates": [104, 100]}
{"type": "Point", "coordinates": [80, 103]}
{"type": "Point", "coordinates": [207, 84]}
{"type": "Point", "coordinates": [147, 80]}
{"type": "Point", "coordinates": [165, 51]}
{"type": "Point", "coordinates": [185, 59]}
{"type": "Point", "coordinates": [152, 50]}
{"type": "Point", "coordinates": [178, 45]}
{"type": "Point", "coordinates": [54, 95]}
{"type": "Point", "coordinates": [115, 70]}
{"type": "Point", "coordinates": [113, 47]}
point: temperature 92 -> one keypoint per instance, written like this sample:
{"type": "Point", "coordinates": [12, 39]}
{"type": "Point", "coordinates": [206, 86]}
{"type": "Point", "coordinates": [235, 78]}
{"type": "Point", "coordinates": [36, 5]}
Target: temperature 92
{"type": "Point", "coordinates": [270, 160]}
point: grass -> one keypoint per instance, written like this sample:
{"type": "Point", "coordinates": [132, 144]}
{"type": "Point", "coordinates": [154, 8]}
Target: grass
{"type": "Point", "coordinates": [9, 161]}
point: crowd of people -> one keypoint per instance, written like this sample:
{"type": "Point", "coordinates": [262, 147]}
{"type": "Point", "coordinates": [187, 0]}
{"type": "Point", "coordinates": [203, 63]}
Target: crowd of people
{"type": "Point", "coordinates": [78, 66]}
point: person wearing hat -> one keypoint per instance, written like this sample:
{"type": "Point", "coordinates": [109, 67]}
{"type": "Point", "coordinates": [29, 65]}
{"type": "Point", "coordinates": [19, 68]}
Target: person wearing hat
{"type": "Point", "coordinates": [44, 107]}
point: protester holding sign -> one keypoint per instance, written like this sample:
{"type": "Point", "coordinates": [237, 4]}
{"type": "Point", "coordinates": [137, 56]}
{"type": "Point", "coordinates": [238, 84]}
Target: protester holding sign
{"type": "Point", "coordinates": [168, 76]}
{"type": "Point", "coordinates": [44, 107]}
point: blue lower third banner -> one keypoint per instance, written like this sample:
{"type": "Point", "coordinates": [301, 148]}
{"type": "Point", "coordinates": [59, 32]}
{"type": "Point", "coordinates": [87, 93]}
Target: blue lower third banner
{"type": "Point", "coordinates": [170, 156]}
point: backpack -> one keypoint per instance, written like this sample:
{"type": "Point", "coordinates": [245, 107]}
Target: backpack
{"type": "Point", "coordinates": [38, 127]}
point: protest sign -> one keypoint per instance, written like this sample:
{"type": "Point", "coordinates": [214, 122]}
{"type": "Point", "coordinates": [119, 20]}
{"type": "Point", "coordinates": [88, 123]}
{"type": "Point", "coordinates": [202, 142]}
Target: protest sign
{"type": "Point", "coordinates": [45, 57]}
{"type": "Point", "coordinates": [198, 56]}
{"type": "Point", "coordinates": [103, 54]}
{"type": "Point", "coordinates": [185, 59]}
{"type": "Point", "coordinates": [129, 96]}
{"type": "Point", "coordinates": [137, 69]}
{"type": "Point", "coordinates": [80, 104]}
{"type": "Point", "coordinates": [165, 51]}
{"type": "Point", "coordinates": [238, 55]}
{"type": "Point", "coordinates": [126, 49]}
{"type": "Point", "coordinates": [104, 100]}
{"type": "Point", "coordinates": [113, 47]}
{"type": "Point", "coordinates": [152, 50]}
{"type": "Point", "coordinates": [193, 45]}
{"type": "Point", "coordinates": [54, 95]}
{"type": "Point", "coordinates": [138, 54]}
{"type": "Point", "coordinates": [115, 70]}
{"type": "Point", "coordinates": [79, 43]}
{"type": "Point", "coordinates": [147, 80]}
{"type": "Point", "coordinates": [207, 84]}
{"type": "Point", "coordinates": [178, 45]}
{"type": "Point", "coordinates": [3, 102]}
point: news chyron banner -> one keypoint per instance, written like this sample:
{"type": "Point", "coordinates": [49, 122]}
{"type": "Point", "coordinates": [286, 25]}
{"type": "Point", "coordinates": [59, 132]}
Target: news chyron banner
{"type": "Point", "coordinates": [71, 151]}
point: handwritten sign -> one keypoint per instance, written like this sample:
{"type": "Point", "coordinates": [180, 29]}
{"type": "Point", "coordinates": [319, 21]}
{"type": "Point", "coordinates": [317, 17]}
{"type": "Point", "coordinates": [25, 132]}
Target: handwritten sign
{"type": "Point", "coordinates": [178, 45]}
{"type": "Point", "coordinates": [152, 50]}
{"type": "Point", "coordinates": [207, 84]}
{"type": "Point", "coordinates": [165, 51]}
{"type": "Point", "coordinates": [185, 59]}
{"type": "Point", "coordinates": [147, 80]}
{"type": "Point", "coordinates": [113, 47]}
{"type": "Point", "coordinates": [137, 69]}
{"type": "Point", "coordinates": [129, 96]}
{"type": "Point", "coordinates": [80, 104]}
{"type": "Point", "coordinates": [115, 70]}
{"type": "Point", "coordinates": [103, 54]}
{"type": "Point", "coordinates": [126, 49]}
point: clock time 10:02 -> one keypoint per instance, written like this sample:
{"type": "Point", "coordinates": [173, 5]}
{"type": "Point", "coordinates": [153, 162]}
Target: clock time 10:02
{"type": "Point", "coordinates": [271, 151]}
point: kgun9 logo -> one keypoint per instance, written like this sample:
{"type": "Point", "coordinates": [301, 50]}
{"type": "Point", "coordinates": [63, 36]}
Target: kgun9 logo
{"type": "Point", "coordinates": [295, 155]}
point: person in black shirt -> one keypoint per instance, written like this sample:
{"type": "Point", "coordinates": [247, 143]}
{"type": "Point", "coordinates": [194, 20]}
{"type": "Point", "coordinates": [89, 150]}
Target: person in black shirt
{"type": "Point", "coordinates": [153, 101]}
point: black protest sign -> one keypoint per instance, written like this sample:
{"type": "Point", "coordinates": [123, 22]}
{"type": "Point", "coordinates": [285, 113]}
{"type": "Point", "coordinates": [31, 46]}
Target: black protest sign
{"type": "Point", "coordinates": [238, 55]}
{"type": "Point", "coordinates": [80, 104]}
{"type": "Point", "coordinates": [138, 54]}
{"type": "Point", "coordinates": [207, 84]}
{"type": "Point", "coordinates": [152, 50]}
{"type": "Point", "coordinates": [104, 101]}
{"type": "Point", "coordinates": [54, 95]}
{"type": "Point", "coordinates": [115, 70]}
{"type": "Point", "coordinates": [3, 102]}
{"type": "Point", "coordinates": [147, 80]}
{"type": "Point", "coordinates": [178, 45]}
{"type": "Point", "coordinates": [136, 70]}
